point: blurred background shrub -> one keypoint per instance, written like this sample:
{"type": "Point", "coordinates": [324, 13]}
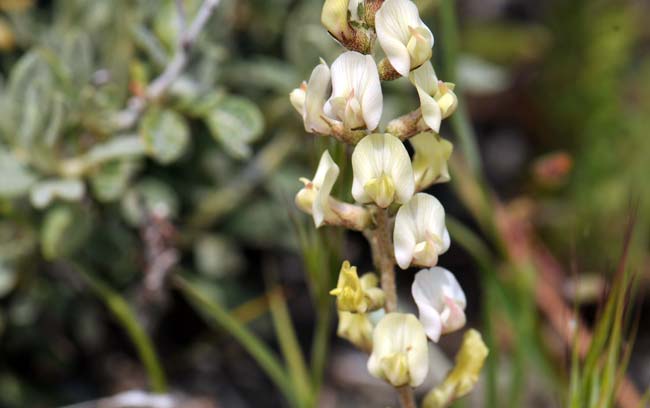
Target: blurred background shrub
{"type": "Point", "coordinates": [98, 209]}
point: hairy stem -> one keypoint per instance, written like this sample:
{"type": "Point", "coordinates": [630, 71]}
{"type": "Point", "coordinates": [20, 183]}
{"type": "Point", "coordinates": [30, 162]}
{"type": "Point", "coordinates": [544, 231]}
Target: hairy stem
{"type": "Point", "coordinates": [384, 259]}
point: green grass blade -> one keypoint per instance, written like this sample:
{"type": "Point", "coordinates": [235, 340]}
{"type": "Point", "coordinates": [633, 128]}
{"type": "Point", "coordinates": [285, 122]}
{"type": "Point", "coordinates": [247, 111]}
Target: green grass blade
{"type": "Point", "coordinates": [255, 347]}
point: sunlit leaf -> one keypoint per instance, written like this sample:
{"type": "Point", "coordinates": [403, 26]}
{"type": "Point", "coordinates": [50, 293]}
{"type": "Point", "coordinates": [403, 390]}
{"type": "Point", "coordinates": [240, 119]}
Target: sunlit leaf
{"type": "Point", "coordinates": [111, 180]}
{"type": "Point", "coordinates": [44, 193]}
{"type": "Point", "coordinates": [217, 256]}
{"type": "Point", "coordinates": [15, 179]}
{"type": "Point", "coordinates": [149, 196]}
{"type": "Point", "coordinates": [165, 135]}
{"type": "Point", "coordinates": [235, 122]}
{"type": "Point", "coordinates": [64, 231]}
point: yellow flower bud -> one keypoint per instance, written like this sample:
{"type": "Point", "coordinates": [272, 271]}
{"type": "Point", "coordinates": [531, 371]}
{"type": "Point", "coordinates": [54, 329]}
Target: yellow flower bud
{"type": "Point", "coordinates": [356, 328]}
{"type": "Point", "coordinates": [335, 18]}
{"type": "Point", "coordinates": [430, 159]}
{"type": "Point", "coordinates": [463, 377]}
{"type": "Point", "coordinates": [357, 295]}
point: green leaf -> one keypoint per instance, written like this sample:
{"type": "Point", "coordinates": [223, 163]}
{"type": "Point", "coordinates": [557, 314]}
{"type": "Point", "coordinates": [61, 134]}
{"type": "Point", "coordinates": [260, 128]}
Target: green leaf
{"type": "Point", "coordinates": [235, 122]}
{"type": "Point", "coordinates": [31, 92]}
{"type": "Point", "coordinates": [111, 179]}
{"type": "Point", "coordinates": [165, 135]}
{"type": "Point", "coordinates": [218, 257]}
{"type": "Point", "coordinates": [16, 179]}
{"type": "Point", "coordinates": [149, 196]}
{"type": "Point", "coordinates": [8, 279]}
{"type": "Point", "coordinates": [43, 193]}
{"type": "Point", "coordinates": [64, 230]}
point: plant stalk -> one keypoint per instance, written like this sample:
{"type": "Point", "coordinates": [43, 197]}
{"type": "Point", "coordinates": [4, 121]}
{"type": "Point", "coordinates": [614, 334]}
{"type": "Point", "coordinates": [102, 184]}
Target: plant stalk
{"type": "Point", "coordinates": [384, 259]}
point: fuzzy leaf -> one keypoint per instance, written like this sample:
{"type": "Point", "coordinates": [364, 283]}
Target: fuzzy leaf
{"type": "Point", "coordinates": [165, 135]}
{"type": "Point", "coordinates": [235, 122]}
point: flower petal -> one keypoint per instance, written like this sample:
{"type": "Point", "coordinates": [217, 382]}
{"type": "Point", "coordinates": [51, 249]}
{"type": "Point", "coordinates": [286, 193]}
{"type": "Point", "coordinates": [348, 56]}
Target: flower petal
{"type": "Point", "coordinates": [430, 159]}
{"type": "Point", "coordinates": [326, 175]}
{"type": "Point", "coordinates": [376, 157]}
{"type": "Point", "coordinates": [437, 290]}
{"type": "Point", "coordinates": [315, 96]}
{"type": "Point", "coordinates": [372, 101]}
{"type": "Point", "coordinates": [425, 77]}
{"type": "Point", "coordinates": [355, 80]}
{"type": "Point", "coordinates": [431, 113]}
{"type": "Point", "coordinates": [297, 97]}
{"type": "Point", "coordinates": [404, 237]}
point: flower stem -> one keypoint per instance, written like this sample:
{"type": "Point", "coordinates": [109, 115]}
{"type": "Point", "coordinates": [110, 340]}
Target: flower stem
{"type": "Point", "coordinates": [406, 397]}
{"type": "Point", "coordinates": [382, 253]}
{"type": "Point", "coordinates": [384, 259]}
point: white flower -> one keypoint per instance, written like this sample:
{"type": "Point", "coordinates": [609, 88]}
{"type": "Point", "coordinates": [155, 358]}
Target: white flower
{"type": "Point", "coordinates": [441, 301]}
{"type": "Point", "coordinates": [420, 235]}
{"type": "Point", "coordinates": [430, 159]}
{"type": "Point", "coordinates": [314, 197]}
{"type": "Point", "coordinates": [356, 98]}
{"type": "Point", "coordinates": [405, 39]}
{"type": "Point", "coordinates": [382, 171]}
{"type": "Point", "coordinates": [400, 353]}
{"type": "Point", "coordinates": [310, 98]}
{"type": "Point", "coordinates": [437, 99]}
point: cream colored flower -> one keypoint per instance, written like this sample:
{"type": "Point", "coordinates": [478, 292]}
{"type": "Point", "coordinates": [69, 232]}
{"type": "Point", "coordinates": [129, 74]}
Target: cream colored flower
{"type": "Point", "coordinates": [420, 234]}
{"type": "Point", "coordinates": [400, 353]}
{"type": "Point", "coordinates": [357, 295]}
{"type": "Point", "coordinates": [335, 17]}
{"type": "Point", "coordinates": [309, 99]}
{"type": "Point", "coordinates": [314, 198]}
{"type": "Point", "coordinates": [463, 377]}
{"type": "Point", "coordinates": [405, 39]}
{"type": "Point", "coordinates": [355, 328]}
{"type": "Point", "coordinates": [440, 300]}
{"type": "Point", "coordinates": [382, 171]}
{"type": "Point", "coordinates": [437, 99]}
{"type": "Point", "coordinates": [356, 98]}
{"type": "Point", "coordinates": [430, 159]}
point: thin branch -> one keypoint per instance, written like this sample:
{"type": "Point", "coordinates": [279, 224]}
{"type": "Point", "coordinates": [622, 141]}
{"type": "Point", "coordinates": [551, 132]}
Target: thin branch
{"type": "Point", "coordinates": [136, 106]}
{"type": "Point", "coordinates": [182, 16]}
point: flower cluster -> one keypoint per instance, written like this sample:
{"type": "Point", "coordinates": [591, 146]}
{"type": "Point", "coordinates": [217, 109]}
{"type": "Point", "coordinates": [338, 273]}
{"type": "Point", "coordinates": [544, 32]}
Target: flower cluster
{"type": "Point", "coordinates": [345, 101]}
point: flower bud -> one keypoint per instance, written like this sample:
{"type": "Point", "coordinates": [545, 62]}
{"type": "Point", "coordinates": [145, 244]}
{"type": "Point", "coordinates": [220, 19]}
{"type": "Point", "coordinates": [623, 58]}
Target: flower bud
{"type": "Point", "coordinates": [382, 171]}
{"type": "Point", "coordinates": [405, 39]}
{"type": "Point", "coordinates": [335, 18]}
{"type": "Point", "coordinates": [430, 159]}
{"type": "Point", "coordinates": [356, 328]}
{"type": "Point", "coordinates": [420, 235]}
{"type": "Point", "coordinates": [440, 300]}
{"type": "Point", "coordinates": [463, 377]}
{"type": "Point", "coordinates": [357, 295]}
{"type": "Point", "coordinates": [400, 353]}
